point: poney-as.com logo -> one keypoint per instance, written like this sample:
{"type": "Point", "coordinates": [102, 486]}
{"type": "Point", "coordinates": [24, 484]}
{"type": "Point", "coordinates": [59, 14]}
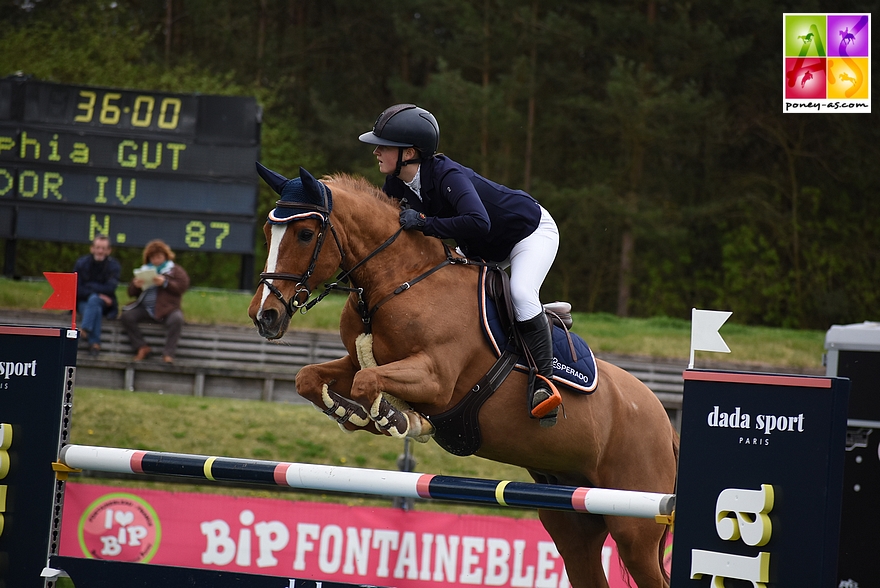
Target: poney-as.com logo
{"type": "Point", "coordinates": [826, 63]}
{"type": "Point", "coordinates": [120, 527]}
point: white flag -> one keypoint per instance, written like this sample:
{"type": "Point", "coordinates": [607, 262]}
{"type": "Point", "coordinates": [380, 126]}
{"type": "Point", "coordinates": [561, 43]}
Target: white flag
{"type": "Point", "coordinates": [704, 331]}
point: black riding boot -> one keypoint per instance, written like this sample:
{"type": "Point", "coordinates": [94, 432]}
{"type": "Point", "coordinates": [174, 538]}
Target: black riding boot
{"type": "Point", "coordinates": [544, 398]}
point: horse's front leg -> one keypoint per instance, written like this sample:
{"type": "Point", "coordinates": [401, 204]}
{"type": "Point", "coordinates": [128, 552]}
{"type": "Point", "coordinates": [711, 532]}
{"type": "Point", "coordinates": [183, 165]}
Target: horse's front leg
{"type": "Point", "coordinates": [326, 384]}
{"type": "Point", "coordinates": [411, 380]}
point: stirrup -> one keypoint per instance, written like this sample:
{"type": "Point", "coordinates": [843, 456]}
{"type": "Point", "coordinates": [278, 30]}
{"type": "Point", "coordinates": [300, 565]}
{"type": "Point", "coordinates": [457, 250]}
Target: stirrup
{"type": "Point", "coordinates": [543, 408]}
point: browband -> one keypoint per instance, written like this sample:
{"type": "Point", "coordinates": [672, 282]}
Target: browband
{"type": "Point", "coordinates": [302, 206]}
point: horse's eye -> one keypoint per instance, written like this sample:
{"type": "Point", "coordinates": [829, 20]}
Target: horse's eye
{"type": "Point", "coordinates": [305, 235]}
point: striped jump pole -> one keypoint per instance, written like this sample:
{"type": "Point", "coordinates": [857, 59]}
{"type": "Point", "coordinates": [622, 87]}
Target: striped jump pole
{"type": "Point", "coordinates": [600, 501]}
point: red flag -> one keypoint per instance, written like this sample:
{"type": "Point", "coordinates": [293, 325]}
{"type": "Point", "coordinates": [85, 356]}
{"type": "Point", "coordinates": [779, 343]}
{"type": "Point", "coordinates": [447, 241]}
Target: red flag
{"type": "Point", "coordinates": [64, 295]}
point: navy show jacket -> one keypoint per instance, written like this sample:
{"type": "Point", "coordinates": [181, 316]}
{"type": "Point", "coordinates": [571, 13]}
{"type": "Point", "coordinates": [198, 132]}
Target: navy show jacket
{"type": "Point", "coordinates": [486, 219]}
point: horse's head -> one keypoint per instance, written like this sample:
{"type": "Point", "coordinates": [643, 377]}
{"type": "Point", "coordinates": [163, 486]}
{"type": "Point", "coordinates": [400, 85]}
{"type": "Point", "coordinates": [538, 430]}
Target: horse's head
{"type": "Point", "coordinates": [297, 261]}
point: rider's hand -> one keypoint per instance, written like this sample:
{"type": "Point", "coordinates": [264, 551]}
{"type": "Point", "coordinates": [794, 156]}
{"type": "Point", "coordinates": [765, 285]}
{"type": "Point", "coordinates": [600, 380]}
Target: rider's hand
{"type": "Point", "coordinates": [412, 219]}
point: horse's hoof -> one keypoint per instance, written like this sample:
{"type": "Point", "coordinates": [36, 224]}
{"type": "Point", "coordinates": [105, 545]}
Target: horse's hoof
{"type": "Point", "coordinates": [389, 419]}
{"type": "Point", "coordinates": [396, 425]}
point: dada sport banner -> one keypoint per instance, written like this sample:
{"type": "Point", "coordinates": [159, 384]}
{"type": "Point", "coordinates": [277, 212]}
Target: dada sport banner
{"type": "Point", "coordinates": [378, 546]}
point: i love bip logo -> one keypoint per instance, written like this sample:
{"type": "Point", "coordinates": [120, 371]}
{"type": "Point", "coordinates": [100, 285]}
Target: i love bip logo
{"type": "Point", "coordinates": [119, 527]}
{"type": "Point", "coordinates": [826, 63]}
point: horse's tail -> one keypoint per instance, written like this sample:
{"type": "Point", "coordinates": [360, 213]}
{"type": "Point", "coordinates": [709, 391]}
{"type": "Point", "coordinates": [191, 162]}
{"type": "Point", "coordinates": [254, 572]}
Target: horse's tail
{"type": "Point", "coordinates": [661, 549]}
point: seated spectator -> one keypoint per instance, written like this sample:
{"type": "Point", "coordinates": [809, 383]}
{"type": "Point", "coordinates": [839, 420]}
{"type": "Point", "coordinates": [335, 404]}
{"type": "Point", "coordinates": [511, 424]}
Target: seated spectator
{"type": "Point", "coordinates": [158, 300]}
{"type": "Point", "coordinates": [97, 275]}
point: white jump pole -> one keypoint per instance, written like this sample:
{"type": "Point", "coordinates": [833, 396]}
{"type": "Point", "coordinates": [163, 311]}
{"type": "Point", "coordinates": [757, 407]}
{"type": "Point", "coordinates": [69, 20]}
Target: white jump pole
{"type": "Point", "coordinates": [600, 501]}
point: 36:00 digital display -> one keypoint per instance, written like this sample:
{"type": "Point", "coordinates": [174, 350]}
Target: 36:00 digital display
{"type": "Point", "coordinates": [103, 107]}
{"type": "Point", "coordinates": [141, 112]}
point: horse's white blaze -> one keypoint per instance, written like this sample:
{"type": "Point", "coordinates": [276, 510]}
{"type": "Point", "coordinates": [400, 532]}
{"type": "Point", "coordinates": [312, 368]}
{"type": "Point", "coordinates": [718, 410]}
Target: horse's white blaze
{"type": "Point", "coordinates": [277, 233]}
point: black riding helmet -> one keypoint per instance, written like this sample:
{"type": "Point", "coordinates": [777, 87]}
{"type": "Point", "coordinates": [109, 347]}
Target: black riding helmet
{"type": "Point", "coordinates": [405, 125]}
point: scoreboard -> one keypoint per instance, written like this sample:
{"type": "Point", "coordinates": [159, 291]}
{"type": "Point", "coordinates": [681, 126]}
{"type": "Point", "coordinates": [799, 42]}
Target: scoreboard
{"type": "Point", "coordinates": [134, 165]}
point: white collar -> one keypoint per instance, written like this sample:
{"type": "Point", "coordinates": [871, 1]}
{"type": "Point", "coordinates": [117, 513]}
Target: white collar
{"type": "Point", "coordinates": [416, 184]}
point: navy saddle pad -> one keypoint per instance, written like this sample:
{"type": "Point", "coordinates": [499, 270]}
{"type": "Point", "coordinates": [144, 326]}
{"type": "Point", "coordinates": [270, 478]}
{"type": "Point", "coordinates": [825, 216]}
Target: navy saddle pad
{"type": "Point", "coordinates": [575, 371]}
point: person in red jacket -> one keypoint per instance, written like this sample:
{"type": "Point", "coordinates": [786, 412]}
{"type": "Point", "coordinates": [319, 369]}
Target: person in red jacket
{"type": "Point", "coordinates": [158, 300]}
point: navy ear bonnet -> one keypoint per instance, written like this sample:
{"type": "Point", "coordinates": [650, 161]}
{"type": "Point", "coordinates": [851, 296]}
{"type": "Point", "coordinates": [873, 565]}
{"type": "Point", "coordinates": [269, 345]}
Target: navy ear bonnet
{"type": "Point", "coordinates": [302, 197]}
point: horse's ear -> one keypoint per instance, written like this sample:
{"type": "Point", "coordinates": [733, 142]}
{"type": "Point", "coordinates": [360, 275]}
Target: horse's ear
{"type": "Point", "coordinates": [309, 182]}
{"type": "Point", "coordinates": [318, 189]}
{"type": "Point", "coordinates": [275, 180]}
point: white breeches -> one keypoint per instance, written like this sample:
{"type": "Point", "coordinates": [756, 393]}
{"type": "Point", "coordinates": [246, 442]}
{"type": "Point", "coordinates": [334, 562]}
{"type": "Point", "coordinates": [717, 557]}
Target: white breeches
{"type": "Point", "coordinates": [529, 262]}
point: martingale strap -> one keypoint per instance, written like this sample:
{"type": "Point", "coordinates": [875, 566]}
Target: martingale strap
{"type": "Point", "coordinates": [450, 260]}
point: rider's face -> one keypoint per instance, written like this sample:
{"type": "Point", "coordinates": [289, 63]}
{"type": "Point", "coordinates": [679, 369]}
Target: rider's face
{"type": "Point", "coordinates": [387, 157]}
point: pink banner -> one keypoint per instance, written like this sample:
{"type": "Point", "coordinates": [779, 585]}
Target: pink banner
{"type": "Point", "coordinates": [379, 546]}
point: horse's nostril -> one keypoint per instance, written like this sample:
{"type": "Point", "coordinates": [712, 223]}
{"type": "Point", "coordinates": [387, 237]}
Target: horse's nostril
{"type": "Point", "coordinates": [268, 317]}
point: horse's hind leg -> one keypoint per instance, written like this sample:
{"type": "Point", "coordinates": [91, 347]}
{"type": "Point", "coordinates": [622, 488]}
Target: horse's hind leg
{"type": "Point", "coordinates": [638, 543]}
{"type": "Point", "coordinates": [579, 538]}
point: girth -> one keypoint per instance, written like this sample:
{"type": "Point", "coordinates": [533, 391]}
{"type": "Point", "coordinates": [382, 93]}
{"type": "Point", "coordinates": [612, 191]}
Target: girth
{"type": "Point", "coordinates": [458, 430]}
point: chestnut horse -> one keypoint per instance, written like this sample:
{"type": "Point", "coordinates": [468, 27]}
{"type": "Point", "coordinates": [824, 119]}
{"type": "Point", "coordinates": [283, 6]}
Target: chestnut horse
{"type": "Point", "coordinates": [427, 349]}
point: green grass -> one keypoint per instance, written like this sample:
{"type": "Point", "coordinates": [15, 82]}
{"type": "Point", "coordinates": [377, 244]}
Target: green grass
{"type": "Point", "coordinates": [257, 430]}
{"type": "Point", "coordinates": [659, 337]}
{"type": "Point", "coordinates": [669, 338]}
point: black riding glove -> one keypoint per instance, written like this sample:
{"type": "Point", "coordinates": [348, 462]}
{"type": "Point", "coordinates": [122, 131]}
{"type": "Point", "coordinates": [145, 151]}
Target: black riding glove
{"type": "Point", "coordinates": [412, 219]}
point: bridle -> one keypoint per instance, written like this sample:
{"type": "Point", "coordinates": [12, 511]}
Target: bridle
{"type": "Point", "coordinates": [302, 286]}
{"type": "Point", "coordinates": [293, 304]}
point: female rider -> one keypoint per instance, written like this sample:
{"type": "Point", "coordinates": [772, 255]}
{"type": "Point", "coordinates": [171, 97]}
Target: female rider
{"type": "Point", "coordinates": [487, 221]}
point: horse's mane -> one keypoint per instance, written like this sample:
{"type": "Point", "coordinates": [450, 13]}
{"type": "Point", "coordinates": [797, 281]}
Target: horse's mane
{"type": "Point", "coordinates": [360, 185]}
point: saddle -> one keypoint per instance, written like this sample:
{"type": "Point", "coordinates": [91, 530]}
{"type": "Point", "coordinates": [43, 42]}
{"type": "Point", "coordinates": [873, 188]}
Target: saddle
{"type": "Point", "coordinates": [496, 285]}
{"type": "Point", "coordinates": [457, 430]}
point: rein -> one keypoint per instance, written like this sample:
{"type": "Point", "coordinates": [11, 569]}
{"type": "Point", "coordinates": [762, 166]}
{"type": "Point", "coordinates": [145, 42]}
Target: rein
{"type": "Point", "coordinates": [345, 276]}
{"type": "Point", "coordinates": [292, 305]}
{"type": "Point", "coordinates": [367, 317]}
